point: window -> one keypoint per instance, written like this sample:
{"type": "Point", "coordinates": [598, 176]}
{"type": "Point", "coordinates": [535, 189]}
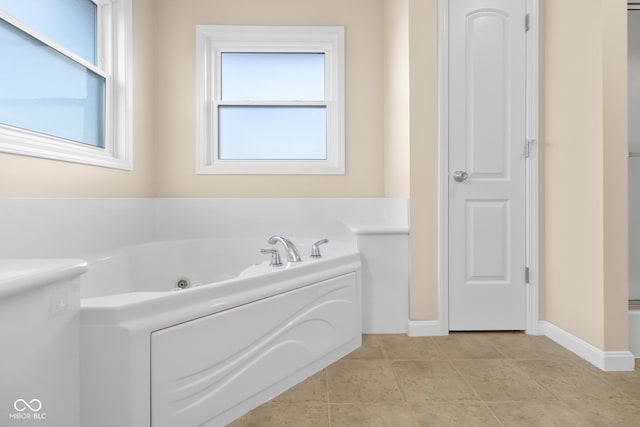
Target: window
{"type": "Point", "coordinates": [64, 83]}
{"type": "Point", "coordinates": [270, 100]}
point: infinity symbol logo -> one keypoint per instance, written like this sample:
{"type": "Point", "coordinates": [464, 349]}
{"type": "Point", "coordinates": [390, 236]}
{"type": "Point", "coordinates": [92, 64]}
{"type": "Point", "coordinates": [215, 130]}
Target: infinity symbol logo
{"type": "Point", "coordinates": [21, 405]}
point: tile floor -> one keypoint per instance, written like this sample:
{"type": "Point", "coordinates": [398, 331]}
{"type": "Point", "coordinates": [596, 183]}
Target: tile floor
{"type": "Point", "coordinates": [464, 379]}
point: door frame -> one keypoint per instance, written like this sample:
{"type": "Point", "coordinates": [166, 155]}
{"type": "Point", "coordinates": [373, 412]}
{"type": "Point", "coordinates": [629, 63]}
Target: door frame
{"type": "Point", "coordinates": [532, 165]}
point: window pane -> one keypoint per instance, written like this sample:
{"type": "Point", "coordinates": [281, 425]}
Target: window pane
{"type": "Point", "coordinates": [44, 91]}
{"type": "Point", "coordinates": [274, 133]}
{"type": "Point", "coordinates": [272, 76]}
{"type": "Point", "coordinates": [71, 23]}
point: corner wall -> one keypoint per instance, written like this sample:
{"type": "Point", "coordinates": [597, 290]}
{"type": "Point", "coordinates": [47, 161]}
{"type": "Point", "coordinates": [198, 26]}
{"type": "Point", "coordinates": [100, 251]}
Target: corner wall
{"type": "Point", "coordinates": [396, 98]}
{"type": "Point", "coordinates": [411, 138]}
{"type": "Point", "coordinates": [615, 165]}
{"type": "Point", "coordinates": [585, 170]}
{"type": "Point", "coordinates": [423, 66]}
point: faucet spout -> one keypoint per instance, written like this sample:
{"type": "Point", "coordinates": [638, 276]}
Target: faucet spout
{"type": "Point", "coordinates": [290, 248]}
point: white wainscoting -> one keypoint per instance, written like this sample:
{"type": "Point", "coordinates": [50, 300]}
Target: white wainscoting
{"type": "Point", "coordinates": [68, 228]}
{"type": "Point", "coordinates": [384, 249]}
{"type": "Point", "coordinates": [292, 217]}
{"type": "Point", "coordinates": [634, 331]}
{"type": "Point", "coordinates": [72, 228]}
{"type": "Point", "coordinates": [95, 228]}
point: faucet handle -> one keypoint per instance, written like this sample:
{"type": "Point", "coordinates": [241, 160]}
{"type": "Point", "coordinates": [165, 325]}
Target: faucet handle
{"type": "Point", "coordinates": [275, 257]}
{"type": "Point", "coordinates": [315, 248]}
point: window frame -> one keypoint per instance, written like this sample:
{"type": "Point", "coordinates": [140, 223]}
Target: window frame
{"type": "Point", "coordinates": [213, 40]}
{"type": "Point", "coordinates": [114, 63]}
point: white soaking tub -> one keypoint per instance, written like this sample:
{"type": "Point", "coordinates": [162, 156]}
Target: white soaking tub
{"type": "Point", "coordinates": [152, 355]}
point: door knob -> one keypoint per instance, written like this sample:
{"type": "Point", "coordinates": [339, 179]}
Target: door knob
{"type": "Point", "coordinates": [460, 176]}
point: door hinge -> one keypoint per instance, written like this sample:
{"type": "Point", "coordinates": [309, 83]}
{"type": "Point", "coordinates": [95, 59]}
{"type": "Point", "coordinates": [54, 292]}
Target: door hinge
{"type": "Point", "coordinates": [526, 275]}
{"type": "Point", "coordinates": [526, 22]}
{"type": "Point", "coordinates": [527, 147]}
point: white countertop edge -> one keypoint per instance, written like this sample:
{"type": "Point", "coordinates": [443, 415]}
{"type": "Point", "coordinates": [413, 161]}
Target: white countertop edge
{"type": "Point", "coordinates": [371, 228]}
{"type": "Point", "coordinates": [21, 275]}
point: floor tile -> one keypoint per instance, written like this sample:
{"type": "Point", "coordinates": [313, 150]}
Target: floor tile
{"type": "Point", "coordinates": [453, 414]}
{"type": "Point", "coordinates": [433, 380]}
{"type": "Point", "coordinates": [536, 414]}
{"type": "Point", "coordinates": [240, 422]}
{"type": "Point", "coordinates": [313, 389]}
{"type": "Point", "coordinates": [362, 381]}
{"type": "Point", "coordinates": [467, 345]}
{"type": "Point", "coordinates": [403, 347]}
{"type": "Point", "coordinates": [371, 349]}
{"type": "Point", "coordinates": [371, 415]}
{"type": "Point", "coordinates": [466, 379]}
{"type": "Point", "coordinates": [499, 380]}
{"type": "Point", "coordinates": [517, 345]}
{"type": "Point", "coordinates": [628, 383]}
{"type": "Point", "coordinates": [289, 415]}
{"type": "Point", "coordinates": [568, 379]}
{"type": "Point", "coordinates": [609, 413]}
{"type": "Point", "coordinates": [556, 367]}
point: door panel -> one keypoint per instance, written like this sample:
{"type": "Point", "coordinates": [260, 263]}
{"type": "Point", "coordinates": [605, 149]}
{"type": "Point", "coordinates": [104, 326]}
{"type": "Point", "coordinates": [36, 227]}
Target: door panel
{"type": "Point", "coordinates": [487, 228]}
{"type": "Point", "coordinates": [487, 94]}
{"type": "Point", "coordinates": [487, 59]}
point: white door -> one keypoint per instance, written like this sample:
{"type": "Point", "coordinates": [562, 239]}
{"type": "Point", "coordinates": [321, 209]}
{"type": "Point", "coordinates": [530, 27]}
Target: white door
{"type": "Point", "coordinates": [487, 63]}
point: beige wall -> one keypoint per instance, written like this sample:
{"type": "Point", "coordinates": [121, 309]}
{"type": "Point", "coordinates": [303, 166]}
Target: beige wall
{"type": "Point", "coordinates": [423, 61]}
{"type": "Point", "coordinates": [396, 98]}
{"type": "Point", "coordinates": [585, 213]}
{"type": "Point", "coordinates": [615, 158]}
{"type": "Point", "coordinates": [22, 176]}
{"type": "Point", "coordinates": [175, 96]}
{"type": "Point", "coordinates": [411, 137]}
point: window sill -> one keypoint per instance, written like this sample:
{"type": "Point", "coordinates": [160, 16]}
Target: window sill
{"type": "Point", "coordinates": [277, 167]}
{"type": "Point", "coordinates": [26, 143]}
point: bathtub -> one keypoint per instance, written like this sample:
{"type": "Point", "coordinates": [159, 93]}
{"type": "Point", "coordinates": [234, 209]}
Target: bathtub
{"type": "Point", "coordinates": [240, 333]}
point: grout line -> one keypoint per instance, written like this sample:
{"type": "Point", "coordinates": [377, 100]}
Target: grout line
{"type": "Point", "coordinates": [492, 413]}
{"type": "Point", "coordinates": [583, 372]}
{"type": "Point", "coordinates": [395, 378]}
{"type": "Point", "coordinates": [455, 368]}
{"type": "Point", "coordinates": [384, 350]}
{"type": "Point", "coordinates": [326, 377]}
{"type": "Point", "coordinates": [475, 392]}
{"type": "Point", "coordinates": [438, 345]}
{"type": "Point", "coordinates": [413, 414]}
{"type": "Point", "coordinates": [499, 350]}
{"type": "Point", "coordinates": [388, 363]}
{"type": "Point", "coordinates": [526, 374]}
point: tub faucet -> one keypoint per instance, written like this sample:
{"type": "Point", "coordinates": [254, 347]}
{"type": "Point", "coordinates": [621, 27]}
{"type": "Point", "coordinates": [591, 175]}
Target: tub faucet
{"type": "Point", "coordinates": [290, 248]}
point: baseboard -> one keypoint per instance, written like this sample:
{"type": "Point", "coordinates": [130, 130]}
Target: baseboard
{"type": "Point", "coordinates": [605, 360]}
{"type": "Point", "coordinates": [426, 328]}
